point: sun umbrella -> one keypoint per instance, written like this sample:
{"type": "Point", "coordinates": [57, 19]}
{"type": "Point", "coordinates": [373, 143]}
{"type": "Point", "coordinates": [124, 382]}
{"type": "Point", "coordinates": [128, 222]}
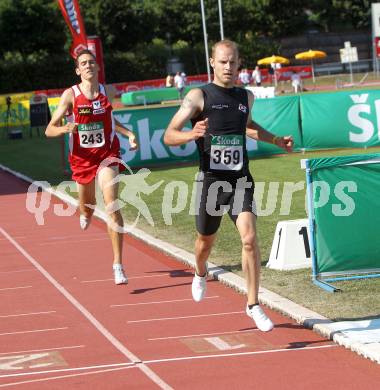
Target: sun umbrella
{"type": "Point", "coordinates": [273, 59]}
{"type": "Point", "coordinates": [311, 55]}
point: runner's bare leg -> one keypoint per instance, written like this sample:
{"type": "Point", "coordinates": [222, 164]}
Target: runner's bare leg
{"type": "Point", "coordinates": [110, 195]}
{"type": "Point", "coordinates": [246, 225]}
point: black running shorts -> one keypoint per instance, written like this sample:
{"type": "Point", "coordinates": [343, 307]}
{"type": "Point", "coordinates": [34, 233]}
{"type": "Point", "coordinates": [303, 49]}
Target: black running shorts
{"type": "Point", "coordinates": [218, 195]}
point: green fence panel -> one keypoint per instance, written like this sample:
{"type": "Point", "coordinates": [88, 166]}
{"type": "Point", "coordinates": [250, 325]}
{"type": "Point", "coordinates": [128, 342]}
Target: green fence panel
{"type": "Point", "coordinates": [149, 125]}
{"type": "Point", "coordinates": [149, 96]}
{"type": "Point", "coordinates": [280, 116]}
{"type": "Point", "coordinates": [345, 203]}
{"type": "Point", "coordinates": [341, 119]}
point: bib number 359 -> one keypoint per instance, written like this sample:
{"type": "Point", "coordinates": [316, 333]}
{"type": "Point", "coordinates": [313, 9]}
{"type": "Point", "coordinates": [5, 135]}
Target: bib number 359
{"type": "Point", "coordinates": [226, 153]}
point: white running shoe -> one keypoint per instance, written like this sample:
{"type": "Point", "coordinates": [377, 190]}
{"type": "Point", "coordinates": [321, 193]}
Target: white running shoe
{"type": "Point", "coordinates": [198, 287]}
{"type": "Point", "coordinates": [84, 222]}
{"type": "Point", "coordinates": [261, 320]}
{"type": "Point", "coordinates": [119, 275]}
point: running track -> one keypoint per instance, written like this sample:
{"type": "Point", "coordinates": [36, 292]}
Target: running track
{"type": "Point", "coordinates": [65, 325]}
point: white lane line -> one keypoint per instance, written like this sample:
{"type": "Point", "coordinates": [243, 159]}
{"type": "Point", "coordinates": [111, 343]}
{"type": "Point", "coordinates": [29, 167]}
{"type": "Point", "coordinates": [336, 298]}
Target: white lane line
{"type": "Point", "coordinates": [65, 376]}
{"type": "Point", "coordinates": [72, 369]}
{"type": "Point", "coordinates": [27, 314]}
{"type": "Point", "coordinates": [70, 237]}
{"type": "Point", "coordinates": [184, 317]}
{"type": "Point", "coordinates": [33, 331]}
{"type": "Point", "coordinates": [167, 360]}
{"type": "Point", "coordinates": [203, 334]}
{"type": "Point", "coordinates": [43, 350]}
{"type": "Point", "coordinates": [18, 237]}
{"type": "Point", "coordinates": [14, 288]}
{"type": "Point", "coordinates": [129, 277]}
{"type": "Point", "coordinates": [72, 241]}
{"type": "Point", "coordinates": [109, 336]}
{"type": "Point", "coordinates": [20, 270]}
{"type": "Point", "coordinates": [157, 302]}
{"type": "Point", "coordinates": [98, 280]}
{"type": "Point", "coordinates": [226, 355]}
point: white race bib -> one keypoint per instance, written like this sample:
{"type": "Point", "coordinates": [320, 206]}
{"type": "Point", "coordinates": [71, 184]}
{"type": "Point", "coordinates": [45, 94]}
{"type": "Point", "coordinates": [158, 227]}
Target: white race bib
{"type": "Point", "coordinates": [91, 135]}
{"type": "Point", "coordinates": [226, 152]}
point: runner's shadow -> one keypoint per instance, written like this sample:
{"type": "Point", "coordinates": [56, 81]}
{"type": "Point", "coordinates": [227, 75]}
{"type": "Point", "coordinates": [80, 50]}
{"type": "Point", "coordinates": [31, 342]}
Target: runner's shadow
{"type": "Point", "coordinates": [177, 273]}
{"type": "Point", "coordinates": [303, 344]}
{"type": "Point", "coordinates": [287, 325]}
{"type": "Point", "coordinates": [144, 290]}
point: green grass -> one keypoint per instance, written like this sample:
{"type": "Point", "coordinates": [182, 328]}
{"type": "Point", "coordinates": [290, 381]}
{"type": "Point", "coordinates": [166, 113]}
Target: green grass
{"type": "Point", "coordinates": [40, 158]}
{"type": "Point", "coordinates": [37, 157]}
{"type": "Point", "coordinates": [337, 81]}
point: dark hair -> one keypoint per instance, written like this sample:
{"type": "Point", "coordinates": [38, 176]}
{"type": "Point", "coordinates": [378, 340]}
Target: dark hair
{"type": "Point", "coordinates": [82, 52]}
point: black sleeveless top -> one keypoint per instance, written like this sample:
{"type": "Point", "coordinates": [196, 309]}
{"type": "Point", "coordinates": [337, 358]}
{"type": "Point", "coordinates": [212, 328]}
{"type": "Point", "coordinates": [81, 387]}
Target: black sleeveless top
{"type": "Point", "coordinates": [223, 148]}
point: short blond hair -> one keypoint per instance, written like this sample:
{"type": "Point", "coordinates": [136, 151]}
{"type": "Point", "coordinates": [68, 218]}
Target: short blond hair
{"type": "Point", "coordinates": [227, 43]}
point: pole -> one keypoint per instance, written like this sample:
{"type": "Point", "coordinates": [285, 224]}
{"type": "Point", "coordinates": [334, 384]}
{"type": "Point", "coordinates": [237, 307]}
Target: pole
{"type": "Point", "coordinates": [221, 19]}
{"type": "Point", "coordinates": [351, 76]}
{"type": "Point", "coordinates": [205, 40]}
{"type": "Point", "coordinates": [312, 71]}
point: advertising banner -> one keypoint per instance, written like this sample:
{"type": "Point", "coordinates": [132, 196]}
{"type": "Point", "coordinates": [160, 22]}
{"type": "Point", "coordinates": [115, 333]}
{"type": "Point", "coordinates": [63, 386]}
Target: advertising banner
{"type": "Point", "coordinates": [341, 119]}
{"type": "Point", "coordinates": [95, 45]}
{"type": "Point", "coordinates": [149, 126]}
{"type": "Point", "coordinates": [345, 200]}
{"type": "Point", "coordinates": [280, 116]}
{"type": "Point", "coordinates": [18, 114]}
{"type": "Point", "coordinates": [377, 47]}
{"type": "Point", "coordinates": [71, 13]}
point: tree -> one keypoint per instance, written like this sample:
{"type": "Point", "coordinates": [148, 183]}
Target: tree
{"type": "Point", "coordinates": [121, 24]}
{"type": "Point", "coordinates": [28, 26]}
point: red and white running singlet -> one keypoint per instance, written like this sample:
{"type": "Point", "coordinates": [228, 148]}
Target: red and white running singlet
{"type": "Point", "coordinates": [95, 139]}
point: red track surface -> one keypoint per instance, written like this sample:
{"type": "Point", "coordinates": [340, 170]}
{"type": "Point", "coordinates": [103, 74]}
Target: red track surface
{"type": "Point", "coordinates": [65, 325]}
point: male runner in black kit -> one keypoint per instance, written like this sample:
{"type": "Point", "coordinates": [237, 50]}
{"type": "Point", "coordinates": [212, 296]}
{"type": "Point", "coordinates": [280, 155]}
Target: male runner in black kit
{"type": "Point", "coordinates": [220, 115]}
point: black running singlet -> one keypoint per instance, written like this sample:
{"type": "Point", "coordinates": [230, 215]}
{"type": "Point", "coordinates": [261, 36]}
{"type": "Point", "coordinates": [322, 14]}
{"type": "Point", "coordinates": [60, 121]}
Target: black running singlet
{"type": "Point", "coordinates": [223, 148]}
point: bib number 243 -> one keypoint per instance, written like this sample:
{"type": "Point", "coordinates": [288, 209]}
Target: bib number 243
{"type": "Point", "coordinates": [91, 135]}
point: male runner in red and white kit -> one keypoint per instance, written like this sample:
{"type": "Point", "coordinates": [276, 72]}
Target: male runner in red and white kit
{"type": "Point", "coordinates": [92, 141]}
{"type": "Point", "coordinates": [220, 114]}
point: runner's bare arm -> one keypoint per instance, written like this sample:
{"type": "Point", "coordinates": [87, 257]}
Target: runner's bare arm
{"type": "Point", "coordinates": [258, 133]}
{"type": "Point", "coordinates": [54, 128]}
{"type": "Point", "coordinates": [192, 104]}
{"type": "Point", "coordinates": [121, 129]}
